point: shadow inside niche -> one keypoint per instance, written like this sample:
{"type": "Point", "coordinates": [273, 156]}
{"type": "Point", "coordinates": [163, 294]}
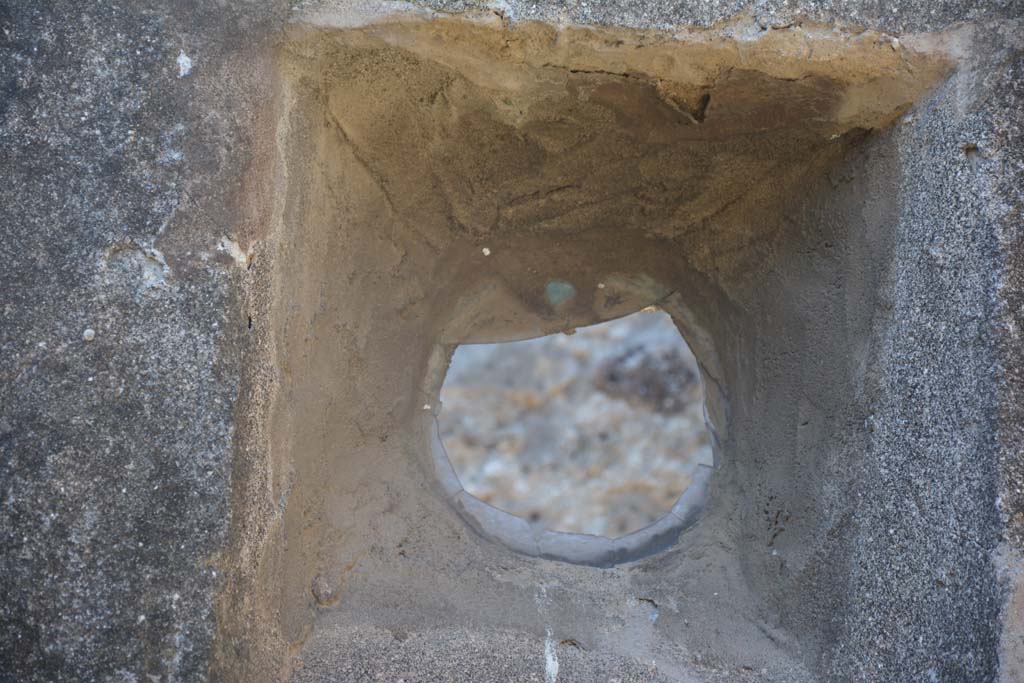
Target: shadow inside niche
{"type": "Point", "coordinates": [442, 176]}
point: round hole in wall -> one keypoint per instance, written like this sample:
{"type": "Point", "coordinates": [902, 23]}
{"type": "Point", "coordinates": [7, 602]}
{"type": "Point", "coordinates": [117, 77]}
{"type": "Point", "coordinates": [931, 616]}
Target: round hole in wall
{"type": "Point", "coordinates": [578, 446]}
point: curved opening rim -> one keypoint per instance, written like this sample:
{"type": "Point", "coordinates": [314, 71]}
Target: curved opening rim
{"type": "Point", "coordinates": [519, 535]}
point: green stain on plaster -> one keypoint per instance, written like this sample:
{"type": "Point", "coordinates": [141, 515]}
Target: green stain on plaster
{"type": "Point", "coordinates": [559, 292]}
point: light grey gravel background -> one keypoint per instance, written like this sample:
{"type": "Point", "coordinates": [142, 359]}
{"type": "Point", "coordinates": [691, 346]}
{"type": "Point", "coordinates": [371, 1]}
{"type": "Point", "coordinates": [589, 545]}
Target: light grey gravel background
{"type": "Point", "coordinates": [597, 432]}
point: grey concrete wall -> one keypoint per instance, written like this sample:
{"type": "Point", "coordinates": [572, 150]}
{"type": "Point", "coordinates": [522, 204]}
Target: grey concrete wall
{"type": "Point", "coordinates": [134, 188]}
{"type": "Point", "coordinates": [118, 178]}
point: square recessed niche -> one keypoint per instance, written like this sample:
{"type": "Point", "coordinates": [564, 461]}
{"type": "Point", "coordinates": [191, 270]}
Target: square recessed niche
{"type": "Point", "coordinates": [457, 181]}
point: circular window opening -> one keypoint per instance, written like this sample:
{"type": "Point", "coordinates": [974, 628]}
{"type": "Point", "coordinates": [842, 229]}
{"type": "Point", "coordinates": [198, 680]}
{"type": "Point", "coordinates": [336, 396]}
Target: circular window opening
{"type": "Point", "coordinates": [595, 432]}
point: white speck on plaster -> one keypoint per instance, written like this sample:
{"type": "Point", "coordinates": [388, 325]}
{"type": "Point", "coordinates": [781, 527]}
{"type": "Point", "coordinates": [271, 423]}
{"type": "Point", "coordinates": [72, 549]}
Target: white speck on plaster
{"type": "Point", "coordinates": [234, 251]}
{"type": "Point", "coordinates": [503, 7]}
{"type": "Point", "coordinates": [550, 658]}
{"type": "Point", "coordinates": [154, 268]}
{"type": "Point", "coordinates": [550, 651]}
{"type": "Point", "coordinates": [487, 252]}
{"type": "Point", "coordinates": [184, 64]}
{"type": "Point", "coordinates": [171, 156]}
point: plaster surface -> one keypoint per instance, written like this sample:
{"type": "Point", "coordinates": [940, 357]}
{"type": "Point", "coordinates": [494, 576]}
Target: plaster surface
{"type": "Point", "coordinates": [227, 273]}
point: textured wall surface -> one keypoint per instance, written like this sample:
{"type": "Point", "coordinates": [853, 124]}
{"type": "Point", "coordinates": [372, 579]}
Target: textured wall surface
{"type": "Point", "coordinates": [145, 530]}
{"type": "Point", "coordinates": [119, 158]}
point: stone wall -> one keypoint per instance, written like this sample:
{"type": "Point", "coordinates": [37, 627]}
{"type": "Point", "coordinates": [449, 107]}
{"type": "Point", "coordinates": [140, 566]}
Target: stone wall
{"type": "Point", "coordinates": [225, 277]}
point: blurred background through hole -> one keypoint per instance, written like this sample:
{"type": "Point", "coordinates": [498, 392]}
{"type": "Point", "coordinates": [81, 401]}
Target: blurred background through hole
{"type": "Point", "coordinates": [595, 432]}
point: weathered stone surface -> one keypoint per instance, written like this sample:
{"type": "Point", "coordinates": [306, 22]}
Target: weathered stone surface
{"type": "Point", "coordinates": [117, 177]}
{"type": "Point", "coordinates": [895, 17]}
{"type": "Point", "coordinates": [157, 524]}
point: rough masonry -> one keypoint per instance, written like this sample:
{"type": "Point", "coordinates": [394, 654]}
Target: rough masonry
{"type": "Point", "coordinates": [239, 242]}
